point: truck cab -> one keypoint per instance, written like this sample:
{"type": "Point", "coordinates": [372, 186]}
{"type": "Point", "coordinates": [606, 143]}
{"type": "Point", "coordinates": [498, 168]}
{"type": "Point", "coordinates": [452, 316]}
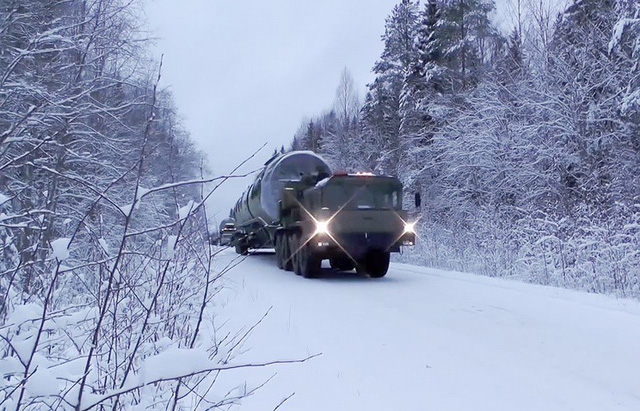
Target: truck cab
{"type": "Point", "coordinates": [226, 233]}
{"type": "Point", "coordinates": [353, 220]}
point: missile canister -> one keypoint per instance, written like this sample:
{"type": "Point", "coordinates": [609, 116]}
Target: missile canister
{"type": "Point", "coordinates": [259, 204]}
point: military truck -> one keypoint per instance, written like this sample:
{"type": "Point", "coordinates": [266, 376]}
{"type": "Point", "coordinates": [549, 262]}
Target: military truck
{"type": "Point", "coordinates": [309, 214]}
{"type": "Point", "coordinates": [227, 230]}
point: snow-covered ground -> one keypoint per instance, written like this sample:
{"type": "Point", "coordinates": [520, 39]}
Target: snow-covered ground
{"type": "Point", "coordinates": [423, 339]}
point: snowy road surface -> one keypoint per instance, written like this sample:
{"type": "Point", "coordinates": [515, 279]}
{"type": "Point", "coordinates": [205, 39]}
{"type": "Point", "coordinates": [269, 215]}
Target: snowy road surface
{"type": "Point", "coordinates": [423, 339]}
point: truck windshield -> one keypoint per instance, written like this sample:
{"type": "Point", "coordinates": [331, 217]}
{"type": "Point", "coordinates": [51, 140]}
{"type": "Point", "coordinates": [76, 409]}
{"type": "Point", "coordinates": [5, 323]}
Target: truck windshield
{"type": "Point", "coordinates": [363, 195]}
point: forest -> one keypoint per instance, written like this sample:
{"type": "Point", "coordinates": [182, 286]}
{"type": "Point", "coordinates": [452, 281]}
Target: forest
{"type": "Point", "coordinates": [524, 146]}
{"type": "Point", "coordinates": [104, 243]}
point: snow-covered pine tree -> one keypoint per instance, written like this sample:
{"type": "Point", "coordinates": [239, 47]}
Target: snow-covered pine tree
{"type": "Point", "coordinates": [468, 39]}
{"type": "Point", "coordinates": [456, 44]}
{"type": "Point", "coordinates": [514, 61]}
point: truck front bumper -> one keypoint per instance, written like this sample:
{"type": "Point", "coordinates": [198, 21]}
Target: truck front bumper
{"type": "Point", "coordinates": [358, 244]}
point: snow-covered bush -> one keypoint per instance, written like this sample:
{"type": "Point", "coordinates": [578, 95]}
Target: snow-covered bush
{"type": "Point", "coordinates": [105, 262]}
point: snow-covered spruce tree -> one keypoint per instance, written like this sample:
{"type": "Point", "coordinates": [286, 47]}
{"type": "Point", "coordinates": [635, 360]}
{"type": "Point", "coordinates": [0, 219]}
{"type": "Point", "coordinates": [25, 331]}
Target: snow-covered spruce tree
{"type": "Point", "coordinates": [514, 62]}
{"type": "Point", "coordinates": [309, 136]}
{"type": "Point", "coordinates": [456, 45]}
{"type": "Point", "coordinates": [371, 134]}
{"type": "Point", "coordinates": [381, 110]}
{"type": "Point", "coordinates": [422, 101]}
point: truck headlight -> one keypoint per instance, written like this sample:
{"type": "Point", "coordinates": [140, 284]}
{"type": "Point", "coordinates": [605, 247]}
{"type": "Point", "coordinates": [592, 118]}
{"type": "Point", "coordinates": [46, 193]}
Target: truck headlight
{"type": "Point", "coordinates": [409, 227]}
{"type": "Point", "coordinates": [322, 227]}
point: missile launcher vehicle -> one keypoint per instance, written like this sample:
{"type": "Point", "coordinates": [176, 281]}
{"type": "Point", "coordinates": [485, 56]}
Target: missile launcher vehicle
{"type": "Point", "coordinates": [308, 214]}
{"type": "Point", "coordinates": [226, 231]}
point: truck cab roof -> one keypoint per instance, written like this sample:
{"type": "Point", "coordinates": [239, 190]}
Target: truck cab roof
{"type": "Point", "coordinates": [357, 178]}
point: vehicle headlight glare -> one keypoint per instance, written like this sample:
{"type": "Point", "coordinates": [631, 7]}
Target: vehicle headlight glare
{"type": "Point", "coordinates": [322, 227]}
{"type": "Point", "coordinates": [409, 227]}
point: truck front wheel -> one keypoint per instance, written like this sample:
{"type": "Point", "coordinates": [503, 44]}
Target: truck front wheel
{"type": "Point", "coordinates": [375, 264]}
{"type": "Point", "coordinates": [306, 263]}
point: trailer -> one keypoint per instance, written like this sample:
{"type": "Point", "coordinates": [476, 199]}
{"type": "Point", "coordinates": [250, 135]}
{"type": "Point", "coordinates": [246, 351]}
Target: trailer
{"type": "Point", "coordinates": [297, 206]}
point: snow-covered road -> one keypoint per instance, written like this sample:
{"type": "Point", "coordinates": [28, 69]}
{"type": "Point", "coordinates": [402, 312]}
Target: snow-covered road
{"type": "Point", "coordinates": [423, 339]}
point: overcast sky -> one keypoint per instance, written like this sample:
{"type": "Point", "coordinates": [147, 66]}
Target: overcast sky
{"type": "Point", "coordinates": [245, 73]}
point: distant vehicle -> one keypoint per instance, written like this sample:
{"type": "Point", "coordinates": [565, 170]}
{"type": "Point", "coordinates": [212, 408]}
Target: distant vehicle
{"type": "Point", "coordinates": [297, 206]}
{"type": "Point", "coordinates": [227, 231]}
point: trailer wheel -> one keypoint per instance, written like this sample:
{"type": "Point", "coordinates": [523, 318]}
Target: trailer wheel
{"type": "Point", "coordinates": [375, 264]}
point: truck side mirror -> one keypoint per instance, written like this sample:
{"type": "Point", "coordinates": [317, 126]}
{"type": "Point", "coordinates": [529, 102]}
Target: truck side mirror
{"type": "Point", "coordinates": [417, 200]}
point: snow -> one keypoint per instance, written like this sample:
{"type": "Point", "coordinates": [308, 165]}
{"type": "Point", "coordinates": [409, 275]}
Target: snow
{"type": "Point", "coordinates": [10, 366]}
{"type": "Point", "coordinates": [25, 313]}
{"type": "Point", "coordinates": [42, 382]}
{"type": "Point", "coordinates": [60, 248]}
{"type": "Point", "coordinates": [618, 31]}
{"type": "Point", "coordinates": [422, 338]}
{"type": "Point", "coordinates": [323, 182]}
{"type": "Point", "coordinates": [183, 212]}
{"type": "Point", "coordinates": [174, 362]}
{"type": "Point", "coordinates": [23, 347]}
{"type": "Point", "coordinates": [104, 245]}
{"type": "Point", "coordinates": [630, 102]}
{"type": "Point", "coordinates": [142, 191]}
{"type": "Point", "coordinates": [171, 246]}
{"type": "Point", "coordinates": [3, 198]}
{"type": "Point", "coordinates": [126, 209]}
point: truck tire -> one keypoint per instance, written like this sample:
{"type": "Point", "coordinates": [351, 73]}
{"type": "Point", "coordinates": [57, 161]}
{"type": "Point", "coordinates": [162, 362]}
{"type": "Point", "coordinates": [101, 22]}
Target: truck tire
{"type": "Point", "coordinates": [375, 264]}
{"type": "Point", "coordinates": [308, 265]}
{"type": "Point", "coordinates": [286, 253]}
{"type": "Point", "coordinates": [291, 248]}
{"type": "Point", "coordinates": [304, 264]}
{"type": "Point", "coordinates": [241, 249]}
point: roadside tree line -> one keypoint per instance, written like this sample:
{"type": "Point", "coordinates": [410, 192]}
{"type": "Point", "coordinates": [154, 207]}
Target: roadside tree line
{"type": "Point", "coordinates": [524, 145]}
